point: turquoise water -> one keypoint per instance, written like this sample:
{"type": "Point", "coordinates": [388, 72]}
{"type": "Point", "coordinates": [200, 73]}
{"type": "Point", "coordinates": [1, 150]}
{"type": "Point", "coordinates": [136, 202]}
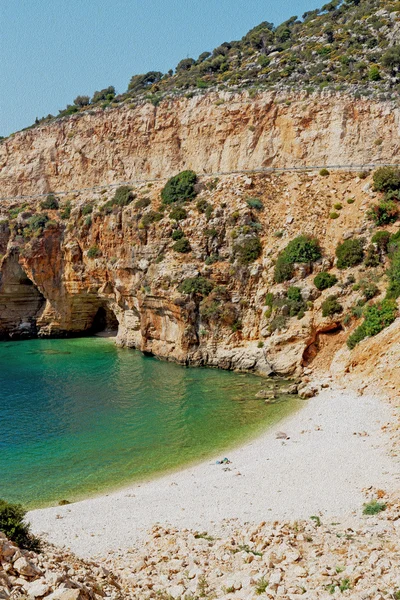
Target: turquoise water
{"type": "Point", "coordinates": [81, 416]}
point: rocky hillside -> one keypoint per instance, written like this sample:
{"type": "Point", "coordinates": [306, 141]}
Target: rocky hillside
{"type": "Point", "coordinates": [225, 277]}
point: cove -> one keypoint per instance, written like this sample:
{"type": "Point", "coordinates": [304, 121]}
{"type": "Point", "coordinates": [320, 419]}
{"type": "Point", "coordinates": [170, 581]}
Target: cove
{"type": "Point", "coordinates": [81, 416]}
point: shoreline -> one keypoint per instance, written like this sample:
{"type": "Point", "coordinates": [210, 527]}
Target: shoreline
{"type": "Point", "coordinates": [335, 449]}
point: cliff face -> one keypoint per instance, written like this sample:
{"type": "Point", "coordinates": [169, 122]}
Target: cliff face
{"type": "Point", "coordinates": [209, 134]}
{"type": "Point", "coordinates": [117, 269]}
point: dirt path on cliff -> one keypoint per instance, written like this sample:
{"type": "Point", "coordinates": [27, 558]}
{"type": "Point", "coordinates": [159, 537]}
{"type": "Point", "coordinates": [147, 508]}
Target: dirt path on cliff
{"type": "Point", "coordinates": [335, 449]}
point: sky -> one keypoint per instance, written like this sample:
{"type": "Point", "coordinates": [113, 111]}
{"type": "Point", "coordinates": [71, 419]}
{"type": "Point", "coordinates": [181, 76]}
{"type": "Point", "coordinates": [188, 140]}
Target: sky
{"type": "Point", "coordinates": [53, 50]}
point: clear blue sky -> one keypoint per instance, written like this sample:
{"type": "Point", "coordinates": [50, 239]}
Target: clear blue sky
{"type": "Point", "coordinates": [53, 50]}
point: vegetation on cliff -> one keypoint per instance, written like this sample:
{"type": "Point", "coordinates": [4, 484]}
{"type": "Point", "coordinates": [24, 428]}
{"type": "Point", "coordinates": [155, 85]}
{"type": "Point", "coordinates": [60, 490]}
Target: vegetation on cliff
{"type": "Point", "coordinates": [347, 45]}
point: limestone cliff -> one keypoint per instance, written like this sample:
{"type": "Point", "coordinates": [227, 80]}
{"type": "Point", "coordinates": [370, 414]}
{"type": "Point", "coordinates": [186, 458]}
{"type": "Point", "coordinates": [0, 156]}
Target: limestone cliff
{"type": "Point", "coordinates": [93, 267]}
{"type": "Point", "coordinates": [211, 133]}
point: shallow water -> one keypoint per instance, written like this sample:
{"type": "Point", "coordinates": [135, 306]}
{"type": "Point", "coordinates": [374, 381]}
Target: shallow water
{"type": "Point", "coordinates": [81, 416]}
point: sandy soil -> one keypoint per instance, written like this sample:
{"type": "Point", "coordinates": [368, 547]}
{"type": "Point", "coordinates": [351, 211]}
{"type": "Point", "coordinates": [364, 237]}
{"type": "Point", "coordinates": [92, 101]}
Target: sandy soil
{"type": "Point", "coordinates": [335, 450]}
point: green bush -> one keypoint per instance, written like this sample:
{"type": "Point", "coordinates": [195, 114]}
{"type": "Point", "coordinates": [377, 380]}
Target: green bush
{"type": "Point", "coordinates": [302, 249]}
{"type": "Point", "coordinates": [325, 280]}
{"type": "Point", "coordinates": [255, 203]}
{"type": "Point", "coordinates": [123, 196]}
{"type": "Point", "coordinates": [369, 290]}
{"type": "Point", "coordinates": [38, 222]}
{"type": "Point", "coordinates": [295, 302]}
{"type": "Point", "coordinates": [12, 524]}
{"type": "Point", "coordinates": [177, 234]}
{"type": "Point", "coordinates": [373, 508]}
{"type": "Point", "coordinates": [384, 213]}
{"type": "Point", "coordinates": [66, 210]}
{"type": "Point", "coordinates": [178, 213]}
{"type": "Point", "coordinates": [50, 203]}
{"type": "Point", "coordinates": [376, 318]}
{"type": "Point", "coordinates": [94, 252]}
{"type": "Point", "coordinates": [350, 200]}
{"type": "Point", "coordinates": [202, 206]}
{"type": "Point", "coordinates": [334, 215]}
{"type": "Point", "coordinates": [350, 253]}
{"type": "Point", "coordinates": [87, 209]}
{"type": "Point", "coordinates": [324, 172]}
{"type": "Point", "coordinates": [248, 251]}
{"type": "Point", "coordinates": [386, 179]}
{"type": "Point", "coordinates": [180, 187]}
{"type": "Point", "coordinates": [196, 285]}
{"type": "Point", "coordinates": [381, 239]}
{"type": "Point", "coordinates": [393, 290]}
{"type": "Point", "coordinates": [338, 206]}
{"type": "Point", "coordinates": [182, 246]}
{"type": "Point", "coordinates": [372, 257]}
{"type": "Point", "coordinates": [331, 307]}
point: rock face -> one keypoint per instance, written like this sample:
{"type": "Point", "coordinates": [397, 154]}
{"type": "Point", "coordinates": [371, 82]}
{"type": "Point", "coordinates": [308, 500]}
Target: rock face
{"type": "Point", "coordinates": [210, 134]}
{"type": "Point", "coordinates": [95, 267]}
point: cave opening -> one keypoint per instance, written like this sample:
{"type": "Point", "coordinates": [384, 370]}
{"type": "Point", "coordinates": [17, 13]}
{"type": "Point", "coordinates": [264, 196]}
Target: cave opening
{"type": "Point", "coordinates": [104, 322]}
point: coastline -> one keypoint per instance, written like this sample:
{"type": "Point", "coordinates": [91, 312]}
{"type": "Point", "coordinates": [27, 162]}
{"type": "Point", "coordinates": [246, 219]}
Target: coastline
{"type": "Point", "coordinates": [335, 450]}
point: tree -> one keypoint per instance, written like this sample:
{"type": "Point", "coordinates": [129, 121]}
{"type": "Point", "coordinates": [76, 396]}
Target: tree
{"type": "Point", "coordinates": [106, 94]}
{"type": "Point", "coordinates": [143, 81]}
{"type": "Point", "coordinates": [82, 101]}
{"type": "Point", "coordinates": [391, 59]}
{"type": "Point", "coordinates": [185, 65]}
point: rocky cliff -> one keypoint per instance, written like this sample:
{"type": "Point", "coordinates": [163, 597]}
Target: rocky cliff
{"type": "Point", "coordinates": [210, 134]}
{"type": "Point", "coordinates": [91, 265]}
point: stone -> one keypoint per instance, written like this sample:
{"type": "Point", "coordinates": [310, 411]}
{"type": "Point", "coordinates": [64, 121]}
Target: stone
{"type": "Point", "coordinates": [25, 567]}
{"type": "Point", "coordinates": [37, 588]}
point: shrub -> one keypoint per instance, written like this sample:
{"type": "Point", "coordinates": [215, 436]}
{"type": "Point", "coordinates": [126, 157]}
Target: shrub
{"type": "Point", "coordinates": [123, 196]}
{"type": "Point", "coordinates": [94, 252]}
{"type": "Point", "coordinates": [180, 187]}
{"type": "Point", "coordinates": [142, 203]}
{"type": "Point", "coordinates": [295, 302]}
{"type": "Point", "coordinates": [50, 203]}
{"type": "Point", "coordinates": [338, 206]}
{"type": "Point", "coordinates": [350, 200]}
{"type": "Point", "coordinates": [381, 239]}
{"type": "Point", "coordinates": [334, 215]}
{"type": "Point", "coordinates": [248, 251]}
{"type": "Point", "coordinates": [182, 246]}
{"type": "Point", "coordinates": [331, 307]}
{"type": "Point", "coordinates": [373, 508]}
{"type": "Point", "coordinates": [376, 318]}
{"type": "Point", "coordinates": [66, 210]}
{"type": "Point", "coordinates": [177, 234]}
{"type": "Point", "coordinates": [325, 280]}
{"type": "Point", "coordinates": [384, 213]}
{"type": "Point", "coordinates": [255, 203]}
{"type": "Point", "coordinates": [356, 337]}
{"type": "Point", "coordinates": [350, 253]}
{"type": "Point", "coordinates": [105, 94]}
{"type": "Point", "coordinates": [208, 212]}
{"type": "Point", "coordinates": [369, 289]}
{"type": "Point", "coordinates": [87, 209]}
{"type": "Point", "coordinates": [393, 290]}
{"type": "Point", "coordinates": [302, 249]}
{"type": "Point", "coordinates": [151, 217]}
{"type": "Point", "coordinates": [82, 101]}
{"type": "Point", "coordinates": [178, 213]}
{"type": "Point", "coordinates": [202, 206]}
{"type": "Point", "coordinates": [372, 257]}
{"type": "Point", "coordinates": [196, 285]}
{"type": "Point", "coordinates": [38, 222]}
{"type": "Point", "coordinates": [386, 179]}
{"type": "Point", "coordinates": [13, 526]}
{"type": "Point", "coordinates": [324, 172]}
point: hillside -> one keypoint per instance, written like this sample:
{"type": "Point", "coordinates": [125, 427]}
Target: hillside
{"type": "Point", "coordinates": [347, 45]}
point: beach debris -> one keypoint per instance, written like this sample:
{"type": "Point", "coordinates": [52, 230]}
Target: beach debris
{"type": "Point", "coordinates": [224, 461]}
{"type": "Point", "coordinates": [281, 435]}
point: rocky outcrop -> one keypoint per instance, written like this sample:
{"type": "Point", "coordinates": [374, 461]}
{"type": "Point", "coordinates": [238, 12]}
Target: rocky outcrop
{"type": "Point", "coordinates": [101, 267]}
{"type": "Point", "coordinates": [117, 270]}
{"type": "Point", "coordinates": [210, 134]}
